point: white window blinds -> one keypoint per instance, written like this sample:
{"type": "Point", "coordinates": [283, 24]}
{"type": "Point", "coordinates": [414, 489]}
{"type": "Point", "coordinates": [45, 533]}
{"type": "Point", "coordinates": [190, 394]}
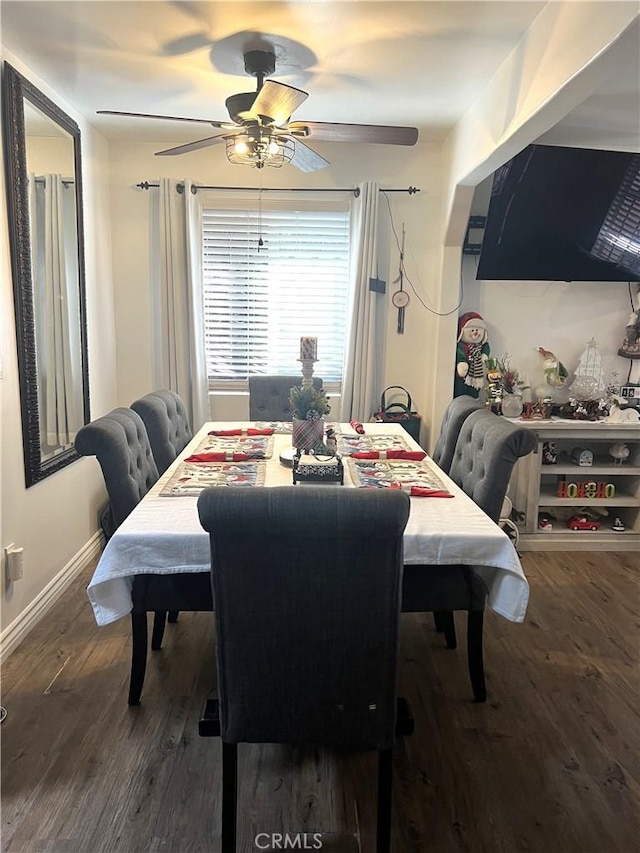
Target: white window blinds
{"type": "Point", "coordinates": [619, 238]}
{"type": "Point", "coordinates": [261, 299]}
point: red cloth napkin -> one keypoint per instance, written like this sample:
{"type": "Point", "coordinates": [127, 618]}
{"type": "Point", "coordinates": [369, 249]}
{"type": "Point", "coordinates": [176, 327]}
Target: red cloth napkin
{"type": "Point", "coordinates": [358, 427]}
{"type": "Point", "coordinates": [249, 431]}
{"type": "Point", "coordinates": [415, 455]}
{"type": "Point", "coordinates": [421, 492]}
{"type": "Point", "coordinates": [222, 456]}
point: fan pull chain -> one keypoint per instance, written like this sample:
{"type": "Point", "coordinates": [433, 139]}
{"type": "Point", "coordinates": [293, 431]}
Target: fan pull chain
{"type": "Point", "coordinates": [260, 240]}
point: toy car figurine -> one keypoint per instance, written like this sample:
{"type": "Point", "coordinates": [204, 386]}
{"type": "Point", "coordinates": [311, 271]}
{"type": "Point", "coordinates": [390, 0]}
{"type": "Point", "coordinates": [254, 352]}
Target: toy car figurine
{"type": "Point", "coordinates": [582, 522]}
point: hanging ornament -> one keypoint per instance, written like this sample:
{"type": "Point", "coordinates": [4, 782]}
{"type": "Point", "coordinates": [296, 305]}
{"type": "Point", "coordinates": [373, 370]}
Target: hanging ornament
{"type": "Point", "coordinates": [400, 298]}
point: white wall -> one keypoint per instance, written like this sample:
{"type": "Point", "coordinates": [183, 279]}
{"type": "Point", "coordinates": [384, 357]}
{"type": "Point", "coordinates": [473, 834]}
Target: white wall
{"type": "Point", "coordinates": [569, 51]}
{"type": "Point", "coordinates": [407, 357]}
{"type": "Point", "coordinates": [559, 316]}
{"type": "Point", "coordinates": [54, 519]}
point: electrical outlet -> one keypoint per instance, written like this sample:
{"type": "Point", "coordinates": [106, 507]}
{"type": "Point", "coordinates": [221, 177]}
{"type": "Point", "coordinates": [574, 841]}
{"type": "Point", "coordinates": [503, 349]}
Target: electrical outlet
{"type": "Point", "coordinates": [13, 562]}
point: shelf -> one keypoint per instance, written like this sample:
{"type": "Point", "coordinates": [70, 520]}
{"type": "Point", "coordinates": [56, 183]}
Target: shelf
{"type": "Point", "coordinates": [562, 429]}
{"type": "Point", "coordinates": [560, 530]}
{"type": "Point", "coordinates": [534, 487]}
{"type": "Point", "coordinates": [551, 499]}
{"type": "Point", "coordinates": [596, 468]}
{"type": "Point", "coordinates": [563, 539]}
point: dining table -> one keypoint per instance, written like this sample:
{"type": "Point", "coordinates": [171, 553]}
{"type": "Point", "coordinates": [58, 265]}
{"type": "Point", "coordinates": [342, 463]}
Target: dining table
{"type": "Point", "coordinates": [163, 535]}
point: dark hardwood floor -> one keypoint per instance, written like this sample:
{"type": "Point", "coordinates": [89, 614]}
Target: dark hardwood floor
{"type": "Point", "coordinates": [550, 763]}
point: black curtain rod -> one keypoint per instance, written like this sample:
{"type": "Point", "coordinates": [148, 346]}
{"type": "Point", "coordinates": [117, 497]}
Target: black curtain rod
{"type": "Point", "coordinates": [65, 181]}
{"type": "Point", "coordinates": [146, 185]}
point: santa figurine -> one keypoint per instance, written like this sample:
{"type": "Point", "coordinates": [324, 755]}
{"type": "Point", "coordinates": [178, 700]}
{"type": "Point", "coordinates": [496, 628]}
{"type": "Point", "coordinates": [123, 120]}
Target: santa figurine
{"type": "Point", "coordinates": [472, 353]}
{"type": "Point", "coordinates": [555, 372]}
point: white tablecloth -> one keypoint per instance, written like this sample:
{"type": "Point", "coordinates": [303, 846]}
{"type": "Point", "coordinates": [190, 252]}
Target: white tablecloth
{"type": "Point", "coordinates": [163, 535]}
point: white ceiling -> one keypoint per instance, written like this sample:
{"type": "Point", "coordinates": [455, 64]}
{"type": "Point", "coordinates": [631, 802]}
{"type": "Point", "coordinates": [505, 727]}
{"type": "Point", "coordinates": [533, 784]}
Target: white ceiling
{"type": "Point", "coordinates": [409, 63]}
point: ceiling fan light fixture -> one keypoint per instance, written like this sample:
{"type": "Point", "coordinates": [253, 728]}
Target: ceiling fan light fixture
{"type": "Point", "coordinates": [259, 149]}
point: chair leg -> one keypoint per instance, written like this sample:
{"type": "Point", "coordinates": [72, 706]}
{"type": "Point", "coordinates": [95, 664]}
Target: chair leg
{"type": "Point", "coordinates": [446, 625]}
{"type": "Point", "coordinates": [404, 721]}
{"type": "Point", "coordinates": [173, 616]}
{"type": "Point", "coordinates": [385, 785]}
{"type": "Point", "coordinates": [138, 656]}
{"type": "Point", "coordinates": [159, 620]}
{"type": "Point", "coordinates": [229, 796]}
{"type": "Point", "coordinates": [475, 654]}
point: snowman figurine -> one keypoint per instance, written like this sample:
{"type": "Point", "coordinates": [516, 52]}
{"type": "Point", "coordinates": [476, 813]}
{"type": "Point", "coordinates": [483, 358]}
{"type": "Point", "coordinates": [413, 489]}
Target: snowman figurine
{"type": "Point", "coordinates": [472, 353]}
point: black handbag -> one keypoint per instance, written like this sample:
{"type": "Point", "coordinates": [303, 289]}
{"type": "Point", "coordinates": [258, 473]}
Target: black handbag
{"type": "Point", "coordinates": [399, 412]}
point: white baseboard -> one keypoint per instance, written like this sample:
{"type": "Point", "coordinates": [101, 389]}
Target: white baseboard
{"type": "Point", "coordinates": [42, 603]}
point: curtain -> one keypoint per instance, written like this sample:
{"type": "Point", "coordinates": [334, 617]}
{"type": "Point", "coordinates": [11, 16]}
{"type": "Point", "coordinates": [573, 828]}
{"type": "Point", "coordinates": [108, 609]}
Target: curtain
{"type": "Point", "coordinates": [364, 346]}
{"type": "Point", "coordinates": [179, 315]}
{"type": "Point", "coordinates": [56, 308]}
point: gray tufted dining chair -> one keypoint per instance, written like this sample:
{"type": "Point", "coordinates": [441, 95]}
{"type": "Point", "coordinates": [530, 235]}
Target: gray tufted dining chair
{"type": "Point", "coordinates": [300, 660]}
{"type": "Point", "coordinates": [269, 396]}
{"type": "Point", "coordinates": [120, 443]}
{"type": "Point", "coordinates": [486, 451]}
{"type": "Point", "coordinates": [454, 416]}
{"type": "Point", "coordinates": [165, 417]}
{"type": "Point", "coordinates": [167, 422]}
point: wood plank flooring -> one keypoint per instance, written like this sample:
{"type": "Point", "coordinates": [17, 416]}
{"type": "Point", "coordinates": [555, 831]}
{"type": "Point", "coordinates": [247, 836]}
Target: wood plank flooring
{"type": "Point", "coordinates": [548, 765]}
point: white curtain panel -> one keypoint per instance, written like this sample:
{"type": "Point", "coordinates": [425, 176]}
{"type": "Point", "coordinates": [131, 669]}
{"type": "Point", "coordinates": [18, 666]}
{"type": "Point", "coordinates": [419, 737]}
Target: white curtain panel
{"type": "Point", "coordinates": [363, 349]}
{"type": "Point", "coordinates": [56, 307]}
{"type": "Point", "coordinates": [177, 248]}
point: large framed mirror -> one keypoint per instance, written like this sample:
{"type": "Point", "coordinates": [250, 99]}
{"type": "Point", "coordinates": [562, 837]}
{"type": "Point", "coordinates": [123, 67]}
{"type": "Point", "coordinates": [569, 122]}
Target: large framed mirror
{"type": "Point", "coordinates": [44, 206]}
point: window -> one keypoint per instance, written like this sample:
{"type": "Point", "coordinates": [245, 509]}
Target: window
{"type": "Point", "coordinates": [261, 299]}
{"type": "Point", "coordinates": [619, 238]}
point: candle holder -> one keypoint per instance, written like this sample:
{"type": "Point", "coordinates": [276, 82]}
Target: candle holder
{"type": "Point", "coordinates": [307, 372]}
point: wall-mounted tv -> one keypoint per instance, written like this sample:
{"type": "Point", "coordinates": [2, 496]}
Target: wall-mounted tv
{"type": "Point", "coordinates": [564, 214]}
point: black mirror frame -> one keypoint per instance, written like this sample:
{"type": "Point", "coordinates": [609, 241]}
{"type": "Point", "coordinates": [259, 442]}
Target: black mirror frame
{"type": "Point", "coordinates": [15, 88]}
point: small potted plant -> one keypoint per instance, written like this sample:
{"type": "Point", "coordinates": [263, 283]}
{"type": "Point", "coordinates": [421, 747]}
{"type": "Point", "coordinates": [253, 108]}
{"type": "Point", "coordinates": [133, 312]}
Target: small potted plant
{"type": "Point", "coordinates": [309, 406]}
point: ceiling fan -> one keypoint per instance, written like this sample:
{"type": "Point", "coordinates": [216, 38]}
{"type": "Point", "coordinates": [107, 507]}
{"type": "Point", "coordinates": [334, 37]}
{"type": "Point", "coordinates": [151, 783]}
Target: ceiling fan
{"type": "Point", "coordinates": [260, 132]}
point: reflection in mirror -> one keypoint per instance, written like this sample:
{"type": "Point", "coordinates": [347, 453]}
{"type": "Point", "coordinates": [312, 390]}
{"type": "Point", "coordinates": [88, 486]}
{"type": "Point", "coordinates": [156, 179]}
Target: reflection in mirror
{"type": "Point", "coordinates": [45, 215]}
{"type": "Point", "coordinates": [54, 264]}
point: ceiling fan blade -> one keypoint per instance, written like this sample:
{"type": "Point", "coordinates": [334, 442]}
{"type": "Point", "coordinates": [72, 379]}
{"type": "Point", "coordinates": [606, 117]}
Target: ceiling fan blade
{"type": "Point", "coordinates": [335, 132]}
{"type": "Point", "coordinates": [306, 159]}
{"type": "Point", "coordinates": [165, 118]}
{"type": "Point", "coordinates": [194, 146]}
{"type": "Point", "coordinates": [277, 102]}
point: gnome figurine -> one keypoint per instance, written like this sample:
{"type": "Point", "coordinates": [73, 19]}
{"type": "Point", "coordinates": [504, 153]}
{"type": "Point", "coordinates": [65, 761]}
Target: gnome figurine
{"type": "Point", "coordinates": [472, 353]}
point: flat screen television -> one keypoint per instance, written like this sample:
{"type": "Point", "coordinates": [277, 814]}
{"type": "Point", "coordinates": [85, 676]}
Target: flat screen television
{"type": "Point", "coordinates": [564, 214]}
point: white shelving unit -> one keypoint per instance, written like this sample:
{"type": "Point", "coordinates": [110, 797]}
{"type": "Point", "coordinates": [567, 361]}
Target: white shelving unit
{"type": "Point", "coordinates": [534, 486]}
